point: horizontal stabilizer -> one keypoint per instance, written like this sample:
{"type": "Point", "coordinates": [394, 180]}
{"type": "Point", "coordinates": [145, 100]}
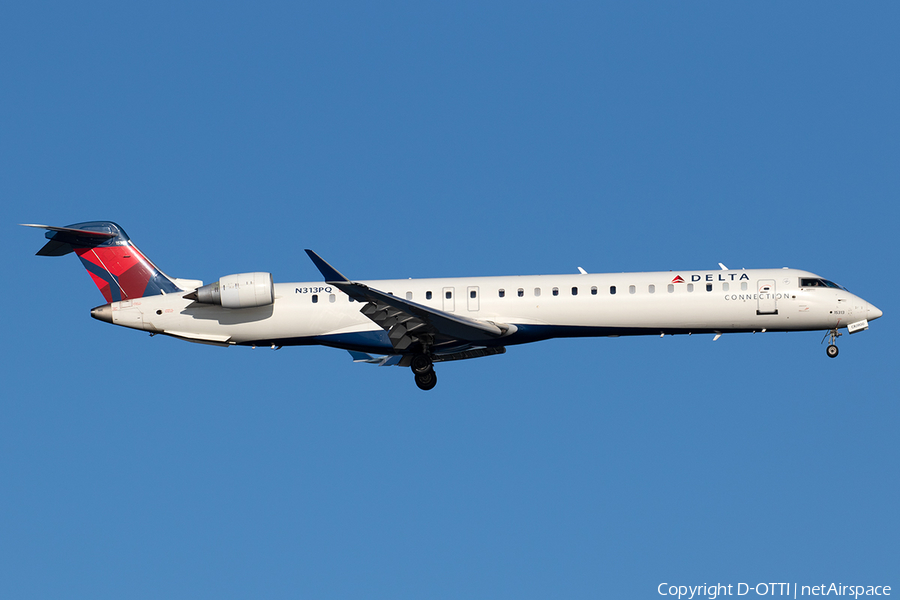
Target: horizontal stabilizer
{"type": "Point", "coordinates": [64, 240]}
{"type": "Point", "coordinates": [72, 230]}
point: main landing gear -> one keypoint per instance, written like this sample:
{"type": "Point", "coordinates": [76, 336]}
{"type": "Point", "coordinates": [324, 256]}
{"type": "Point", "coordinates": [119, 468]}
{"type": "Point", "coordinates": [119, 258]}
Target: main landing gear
{"type": "Point", "coordinates": [423, 369]}
{"type": "Point", "coordinates": [832, 349]}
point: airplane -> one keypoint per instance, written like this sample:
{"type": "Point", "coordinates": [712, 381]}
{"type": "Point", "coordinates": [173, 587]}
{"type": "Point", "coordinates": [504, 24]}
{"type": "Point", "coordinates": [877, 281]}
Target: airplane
{"type": "Point", "coordinates": [416, 323]}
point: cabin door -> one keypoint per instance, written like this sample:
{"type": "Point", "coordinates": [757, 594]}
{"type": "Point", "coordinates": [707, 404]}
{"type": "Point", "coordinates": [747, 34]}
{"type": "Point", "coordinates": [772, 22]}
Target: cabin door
{"type": "Point", "coordinates": [449, 300]}
{"type": "Point", "coordinates": [473, 297]}
{"type": "Point", "coordinates": [766, 297]}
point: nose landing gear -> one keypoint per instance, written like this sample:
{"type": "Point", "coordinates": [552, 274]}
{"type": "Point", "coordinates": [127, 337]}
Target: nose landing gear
{"type": "Point", "coordinates": [423, 369]}
{"type": "Point", "coordinates": [832, 349]}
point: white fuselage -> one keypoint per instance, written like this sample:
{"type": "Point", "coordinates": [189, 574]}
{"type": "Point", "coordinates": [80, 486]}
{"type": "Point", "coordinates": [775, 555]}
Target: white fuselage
{"type": "Point", "coordinates": [538, 307]}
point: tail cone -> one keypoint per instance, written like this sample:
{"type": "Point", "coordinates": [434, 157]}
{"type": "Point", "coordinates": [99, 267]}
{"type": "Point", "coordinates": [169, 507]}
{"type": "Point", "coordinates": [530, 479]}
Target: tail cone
{"type": "Point", "coordinates": [102, 313]}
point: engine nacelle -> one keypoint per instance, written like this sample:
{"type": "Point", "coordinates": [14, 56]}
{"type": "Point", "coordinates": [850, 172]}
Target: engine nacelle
{"type": "Point", "coordinates": [244, 290]}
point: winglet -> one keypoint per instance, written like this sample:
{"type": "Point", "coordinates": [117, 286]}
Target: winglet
{"type": "Point", "coordinates": [382, 361]}
{"type": "Point", "coordinates": [328, 272]}
{"type": "Point", "coordinates": [361, 356]}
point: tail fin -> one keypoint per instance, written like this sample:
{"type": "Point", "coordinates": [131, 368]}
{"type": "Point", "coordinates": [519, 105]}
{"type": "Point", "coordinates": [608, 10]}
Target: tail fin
{"type": "Point", "coordinates": [117, 267]}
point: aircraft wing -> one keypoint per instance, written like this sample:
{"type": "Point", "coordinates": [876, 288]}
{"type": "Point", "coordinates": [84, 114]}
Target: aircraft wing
{"type": "Point", "coordinates": [407, 322]}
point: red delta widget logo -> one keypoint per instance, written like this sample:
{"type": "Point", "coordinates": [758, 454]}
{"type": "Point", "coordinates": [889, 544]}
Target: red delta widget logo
{"type": "Point", "coordinates": [714, 277]}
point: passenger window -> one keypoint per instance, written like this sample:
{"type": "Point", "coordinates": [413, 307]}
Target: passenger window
{"type": "Point", "coordinates": [612, 290]}
{"type": "Point", "coordinates": [331, 297]}
{"type": "Point", "coordinates": [724, 287]}
{"type": "Point", "coordinates": [593, 290]}
{"type": "Point", "coordinates": [690, 287]}
{"type": "Point", "coordinates": [743, 286]}
{"type": "Point", "coordinates": [502, 293]}
{"type": "Point", "coordinates": [537, 292]}
{"type": "Point", "coordinates": [428, 295]}
{"type": "Point", "coordinates": [574, 291]}
{"type": "Point", "coordinates": [631, 289]}
{"type": "Point", "coordinates": [651, 288]}
{"type": "Point", "coordinates": [409, 295]}
{"type": "Point", "coordinates": [708, 287]}
{"type": "Point", "coordinates": [556, 291]}
{"type": "Point", "coordinates": [315, 298]}
{"type": "Point", "coordinates": [520, 292]}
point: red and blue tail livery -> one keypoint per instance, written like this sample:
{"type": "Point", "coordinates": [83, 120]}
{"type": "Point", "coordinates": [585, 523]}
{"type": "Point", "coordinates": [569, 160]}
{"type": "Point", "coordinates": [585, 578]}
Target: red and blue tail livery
{"type": "Point", "coordinates": [118, 268]}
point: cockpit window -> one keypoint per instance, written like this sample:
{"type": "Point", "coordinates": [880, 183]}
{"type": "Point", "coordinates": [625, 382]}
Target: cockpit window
{"type": "Point", "coordinates": [807, 282]}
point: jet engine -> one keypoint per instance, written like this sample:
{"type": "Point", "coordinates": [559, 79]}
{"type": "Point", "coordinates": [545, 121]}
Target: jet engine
{"type": "Point", "coordinates": [244, 290]}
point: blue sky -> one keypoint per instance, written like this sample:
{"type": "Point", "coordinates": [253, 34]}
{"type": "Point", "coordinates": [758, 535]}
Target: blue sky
{"type": "Point", "coordinates": [416, 140]}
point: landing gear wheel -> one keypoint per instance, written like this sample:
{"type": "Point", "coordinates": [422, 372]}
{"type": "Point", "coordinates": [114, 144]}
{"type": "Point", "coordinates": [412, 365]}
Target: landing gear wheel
{"type": "Point", "coordinates": [420, 364]}
{"type": "Point", "coordinates": [426, 380]}
{"type": "Point", "coordinates": [832, 349]}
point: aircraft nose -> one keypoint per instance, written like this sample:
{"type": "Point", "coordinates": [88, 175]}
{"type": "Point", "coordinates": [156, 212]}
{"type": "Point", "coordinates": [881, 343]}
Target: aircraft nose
{"type": "Point", "coordinates": [873, 313]}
